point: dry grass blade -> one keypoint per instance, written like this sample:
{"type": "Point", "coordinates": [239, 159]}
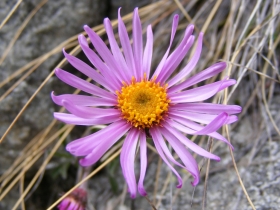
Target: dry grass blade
{"type": "Point", "coordinates": [150, 202]}
{"type": "Point", "coordinates": [21, 191]}
{"type": "Point", "coordinates": [33, 65]}
{"type": "Point", "coordinates": [43, 166]}
{"type": "Point", "coordinates": [253, 13]}
{"type": "Point", "coordinates": [180, 6]}
{"type": "Point", "coordinates": [207, 22]}
{"type": "Point", "coordinates": [164, 188]}
{"type": "Point", "coordinates": [86, 178]}
{"type": "Point", "coordinates": [238, 175]}
{"type": "Point", "coordinates": [255, 71]}
{"type": "Point", "coordinates": [263, 88]}
{"type": "Point", "coordinates": [204, 201]}
{"type": "Point", "coordinates": [157, 180]}
{"type": "Point", "coordinates": [14, 39]}
{"type": "Point", "coordinates": [226, 95]}
{"type": "Point", "coordinates": [30, 163]}
{"type": "Point", "coordinates": [33, 154]}
{"type": "Point", "coordinates": [10, 13]}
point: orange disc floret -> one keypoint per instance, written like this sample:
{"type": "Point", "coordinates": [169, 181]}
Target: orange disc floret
{"type": "Point", "coordinates": [144, 103]}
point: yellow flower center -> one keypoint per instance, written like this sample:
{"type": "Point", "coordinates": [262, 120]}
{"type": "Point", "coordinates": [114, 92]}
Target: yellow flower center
{"type": "Point", "coordinates": [144, 103]}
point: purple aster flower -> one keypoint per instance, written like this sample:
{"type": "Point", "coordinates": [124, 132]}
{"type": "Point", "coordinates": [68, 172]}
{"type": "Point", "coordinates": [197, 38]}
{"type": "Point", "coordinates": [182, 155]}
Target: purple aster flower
{"type": "Point", "coordinates": [76, 200]}
{"type": "Point", "coordinates": [137, 102]}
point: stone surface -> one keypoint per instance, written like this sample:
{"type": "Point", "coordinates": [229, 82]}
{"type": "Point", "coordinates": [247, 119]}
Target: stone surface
{"type": "Point", "coordinates": [58, 20]}
{"type": "Point", "coordinates": [55, 22]}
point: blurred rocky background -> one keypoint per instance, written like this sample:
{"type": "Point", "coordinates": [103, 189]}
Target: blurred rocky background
{"type": "Point", "coordinates": [257, 147]}
{"type": "Point", "coordinates": [55, 21]}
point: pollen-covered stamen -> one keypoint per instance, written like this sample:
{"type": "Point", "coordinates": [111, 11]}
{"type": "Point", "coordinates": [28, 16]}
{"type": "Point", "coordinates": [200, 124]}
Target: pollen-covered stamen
{"type": "Point", "coordinates": [144, 103]}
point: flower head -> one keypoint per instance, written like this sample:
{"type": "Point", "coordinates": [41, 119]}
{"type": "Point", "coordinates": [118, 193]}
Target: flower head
{"type": "Point", "coordinates": [135, 100]}
{"type": "Point", "coordinates": [76, 200]}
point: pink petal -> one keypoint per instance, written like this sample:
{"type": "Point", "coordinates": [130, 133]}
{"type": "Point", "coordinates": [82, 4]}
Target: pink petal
{"type": "Point", "coordinates": [110, 137]}
{"type": "Point", "coordinates": [166, 150]}
{"type": "Point", "coordinates": [200, 93]}
{"type": "Point", "coordinates": [180, 127]}
{"type": "Point", "coordinates": [90, 112]}
{"type": "Point", "coordinates": [176, 61]}
{"type": "Point", "coordinates": [184, 155]}
{"type": "Point", "coordinates": [231, 119]}
{"type": "Point", "coordinates": [64, 204]}
{"type": "Point", "coordinates": [85, 145]}
{"type": "Point", "coordinates": [116, 50]}
{"type": "Point", "coordinates": [148, 52]}
{"type": "Point", "coordinates": [90, 140]}
{"type": "Point", "coordinates": [73, 205]}
{"type": "Point", "coordinates": [104, 53]}
{"type": "Point", "coordinates": [143, 163]}
{"type": "Point", "coordinates": [137, 43]}
{"type": "Point", "coordinates": [194, 147]}
{"type": "Point", "coordinates": [201, 76]}
{"type": "Point", "coordinates": [190, 66]}
{"type": "Point", "coordinates": [74, 120]}
{"type": "Point", "coordinates": [173, 31]}
{"type": "Point", "coordinates": [126, 45]}
{"type": "Point", "coordinates": [108, 73]}
{"type": "Point", "coordinates": [208, 108]}
{"type": "Point", "coordinates": [201, 118]}
{"type": "Point", "coordinates": [83, 85]}
{"type": "Point", "coordinates": [214, 125]}
{"type": "Point", "coordinates": [156, 138]}
{"type": "Point", "coordinates": [194, 126]}
{"type": "Point", "coordinates": [177, 56]}
{"type": "Point", "coordinates": [87, 70]}
{"type": "Point", "coordinates": [82, 100]}
{"type": "Point", "coordinates": [127, 160]}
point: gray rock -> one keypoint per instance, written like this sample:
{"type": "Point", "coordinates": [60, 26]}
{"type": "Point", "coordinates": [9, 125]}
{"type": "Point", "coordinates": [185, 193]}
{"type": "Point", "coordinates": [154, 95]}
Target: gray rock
{"type": "Point", "coordinates": [55, 22]}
